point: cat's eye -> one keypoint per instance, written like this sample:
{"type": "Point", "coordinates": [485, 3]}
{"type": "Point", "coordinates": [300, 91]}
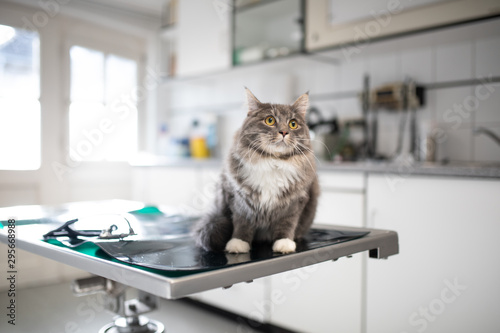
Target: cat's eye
{"type": "Point", "coordinates": [293, 124]}
{"type": "Point", "coordinates": [270, 121]}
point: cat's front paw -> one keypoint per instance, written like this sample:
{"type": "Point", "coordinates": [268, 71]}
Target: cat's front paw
{"type": "Point", "coordinates": [284, 245]}
{"type": "Point", "coordinates": [236, 245]}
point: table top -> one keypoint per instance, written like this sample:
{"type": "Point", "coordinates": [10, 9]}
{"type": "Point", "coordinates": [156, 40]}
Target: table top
{"type": "Point", "coordinates": [32, 222]}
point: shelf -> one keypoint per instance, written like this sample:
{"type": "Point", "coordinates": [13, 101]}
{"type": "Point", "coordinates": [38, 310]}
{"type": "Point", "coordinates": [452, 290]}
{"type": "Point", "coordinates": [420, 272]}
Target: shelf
{"type": "Point", "coordinates": [264, 65]}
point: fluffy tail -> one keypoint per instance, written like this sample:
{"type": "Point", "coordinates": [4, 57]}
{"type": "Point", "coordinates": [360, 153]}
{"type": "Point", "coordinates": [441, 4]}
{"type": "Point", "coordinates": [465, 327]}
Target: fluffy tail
{"type": "Point", "coordinates": [213, 231]}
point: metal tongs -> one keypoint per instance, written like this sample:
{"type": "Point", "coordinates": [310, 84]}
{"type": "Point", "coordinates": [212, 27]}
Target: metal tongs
{"type": "Point", "coordinates": [78, 237]}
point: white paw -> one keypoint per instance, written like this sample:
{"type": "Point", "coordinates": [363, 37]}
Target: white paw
{"type": "Point", "coordinates": [236, 245]}
{"type": "Point", "coordinates": [284, 245]}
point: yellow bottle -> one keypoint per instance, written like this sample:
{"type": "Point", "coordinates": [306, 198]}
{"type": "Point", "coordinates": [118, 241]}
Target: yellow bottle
{"type": "Point", "coordinates": [198, 142]}
{"type": "Point", "coordinates": [198, 147]}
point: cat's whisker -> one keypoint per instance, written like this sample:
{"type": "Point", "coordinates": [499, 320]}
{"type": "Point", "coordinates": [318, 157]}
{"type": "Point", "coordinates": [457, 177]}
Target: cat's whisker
{"type": "Point", "coordinates": [307, 159]}
{"type": "Point", "coordinates": [311, 151]}
{"type": "Point", "coordinates": [254, 147]}
{"type": "Point", "coordinates": [261, 148]}
{"type": "Point", "coordinates": [316, 140]}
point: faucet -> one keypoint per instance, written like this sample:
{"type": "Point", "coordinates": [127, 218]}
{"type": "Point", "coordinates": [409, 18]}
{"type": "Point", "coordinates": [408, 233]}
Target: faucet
{"type": "Point", "coordinates": [487, 132]}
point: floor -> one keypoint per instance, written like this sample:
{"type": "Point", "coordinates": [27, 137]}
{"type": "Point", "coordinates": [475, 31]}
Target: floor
{"type": "Point", "coordinates": [54, 309]}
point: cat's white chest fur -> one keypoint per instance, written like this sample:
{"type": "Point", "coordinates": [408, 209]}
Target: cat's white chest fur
{"type": "Point", "coordinates": [270, 177]}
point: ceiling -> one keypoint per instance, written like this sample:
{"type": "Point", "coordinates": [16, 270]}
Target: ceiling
{"type": "Point", "coordinates": [148, 8]}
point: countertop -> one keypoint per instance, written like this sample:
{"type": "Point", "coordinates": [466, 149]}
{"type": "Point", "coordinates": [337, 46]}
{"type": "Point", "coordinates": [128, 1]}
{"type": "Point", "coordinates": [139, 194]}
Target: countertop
{"type": "Point", "coordinates": [395, 169]}
{"type": "Point", "coordinates": [472, 170]}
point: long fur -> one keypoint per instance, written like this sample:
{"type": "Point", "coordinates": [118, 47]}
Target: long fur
{"type": "Point", "coordinates": [268, 188]}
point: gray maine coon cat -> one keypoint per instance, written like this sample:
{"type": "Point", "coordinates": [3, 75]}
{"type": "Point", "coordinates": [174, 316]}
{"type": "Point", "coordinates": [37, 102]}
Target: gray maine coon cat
{"type": "Point", "coordinates": [268, 189]}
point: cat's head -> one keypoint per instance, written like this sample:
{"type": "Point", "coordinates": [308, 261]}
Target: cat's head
{"type": "Point", "coordinates": [276, 129]}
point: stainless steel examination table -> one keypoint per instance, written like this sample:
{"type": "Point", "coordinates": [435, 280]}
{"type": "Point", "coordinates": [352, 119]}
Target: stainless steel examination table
{"type": "Point", "coordinates": [128, 244]}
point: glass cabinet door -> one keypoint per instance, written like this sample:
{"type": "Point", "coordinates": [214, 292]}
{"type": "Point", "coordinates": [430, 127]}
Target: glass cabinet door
{"type": "Point", "coordinates": [266, 29]}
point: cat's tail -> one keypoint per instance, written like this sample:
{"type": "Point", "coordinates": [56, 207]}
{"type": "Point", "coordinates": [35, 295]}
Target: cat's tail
{"type": "Point", "coordinates": [213, 231]}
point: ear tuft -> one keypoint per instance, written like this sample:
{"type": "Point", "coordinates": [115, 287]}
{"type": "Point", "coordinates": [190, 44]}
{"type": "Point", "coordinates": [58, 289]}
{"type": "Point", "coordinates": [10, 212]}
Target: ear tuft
{"type": "Point", "coordinates": [253, 103]}
{"type": "Point", "coordinates": [302, 103]}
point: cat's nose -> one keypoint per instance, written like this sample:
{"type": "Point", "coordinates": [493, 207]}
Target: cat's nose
{"type": "Point", "coordinates": [284, 133]}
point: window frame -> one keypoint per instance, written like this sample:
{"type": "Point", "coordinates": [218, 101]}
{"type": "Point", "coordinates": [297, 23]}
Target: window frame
{"type": "Point", "coordinates": [83, 34]}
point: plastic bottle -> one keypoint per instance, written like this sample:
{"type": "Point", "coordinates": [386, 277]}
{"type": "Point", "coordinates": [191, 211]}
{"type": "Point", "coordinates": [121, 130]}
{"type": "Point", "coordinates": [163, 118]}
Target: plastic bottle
{"type": "Point", "coordinates": [163, 140]}
{"type": "Point", "coordinates": [198, 142]}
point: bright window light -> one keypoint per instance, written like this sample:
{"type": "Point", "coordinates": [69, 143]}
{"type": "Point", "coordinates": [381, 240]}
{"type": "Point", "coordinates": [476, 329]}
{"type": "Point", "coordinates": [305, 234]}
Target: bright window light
{"type": "Point", "coordinates": [20, 122]}
{"type": "Point", "coordinates": [6, 34]}
{"type": "Point", "coordinates": [103, 111]}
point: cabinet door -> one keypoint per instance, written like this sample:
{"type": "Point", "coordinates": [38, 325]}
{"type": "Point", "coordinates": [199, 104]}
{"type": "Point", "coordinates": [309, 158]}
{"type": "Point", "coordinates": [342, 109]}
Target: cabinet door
{"type": "Point", "coordinates": [321, 298]}
{"type": "Point", "coordinates": [334, 22]}
{"type": "Point", "coordinates": [203, 41]}
{"type": "Point", "coordinates": [341, 200]}
{"type": "Point", "coordinates": [246, 299]}
{"type": "Point", "coordinates": [325, 297]}
{"type": "Point", "coordinates": [172, 186]}
{"type": "Point", "coordinates": [445, 278]}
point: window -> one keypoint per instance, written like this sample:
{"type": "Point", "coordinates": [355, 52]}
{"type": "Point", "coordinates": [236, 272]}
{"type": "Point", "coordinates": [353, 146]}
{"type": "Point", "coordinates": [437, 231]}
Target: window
{"type": "Point", "coordinates": [20, 140]}
{"type": "Point", "coordinates": [103, 106]}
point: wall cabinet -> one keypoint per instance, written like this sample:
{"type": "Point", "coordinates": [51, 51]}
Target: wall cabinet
{"type": "Point", "coordinates": [203, 37]}
{"type": "Point", "coordinates": [333, 22]}
{"type": "Point", "coordinates": [445, 278]}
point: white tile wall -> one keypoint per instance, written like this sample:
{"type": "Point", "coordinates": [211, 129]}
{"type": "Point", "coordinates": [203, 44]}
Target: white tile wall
{"type": "Point", "coordinates": [348, 108]}
{"type": "Point", "coordinates": [456, 53]}
{"type": "Point", "coordinates": [487, 55]}
{"type": "Point", "coordinates": [488, 99]}
{"type": "Point", "coordinates": [456, 146]}
{"type": "Point", "coordinates": [418, 64]}
{"type": "Point", "coordinates": [351, 74]}
{"type": "Point", "coordinates": [454, 61]}
{"type": "Point", "coordinates": [450, 109]}
{"type": "Point", "coordinates": [485, 150]}
{"type": "Point", "coordinates": [384, 68]}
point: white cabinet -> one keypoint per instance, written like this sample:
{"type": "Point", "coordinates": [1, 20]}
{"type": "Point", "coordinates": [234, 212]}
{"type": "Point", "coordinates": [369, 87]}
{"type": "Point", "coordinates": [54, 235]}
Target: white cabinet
{"type": "Point", "coordinates": [446, 276]}
{"type": "Point", "coordinates": [342, 198]}
{"type": "Point", "coordinates": [334, 22]}
{"type": "Point", "coordinates": [172, 186]}
{"type": "Point", "coordinates": [203, 36]}
{"type": "Point", "coordinates": [248, 300]}
{"type": "Point", "coordinates": [326, 297]}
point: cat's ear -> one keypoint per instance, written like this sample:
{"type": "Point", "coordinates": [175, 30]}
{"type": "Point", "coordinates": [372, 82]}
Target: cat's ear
{"type": "Point", "coordinates": [302, 103]}
{"type": "Point", "coordinates": [253, 103]}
